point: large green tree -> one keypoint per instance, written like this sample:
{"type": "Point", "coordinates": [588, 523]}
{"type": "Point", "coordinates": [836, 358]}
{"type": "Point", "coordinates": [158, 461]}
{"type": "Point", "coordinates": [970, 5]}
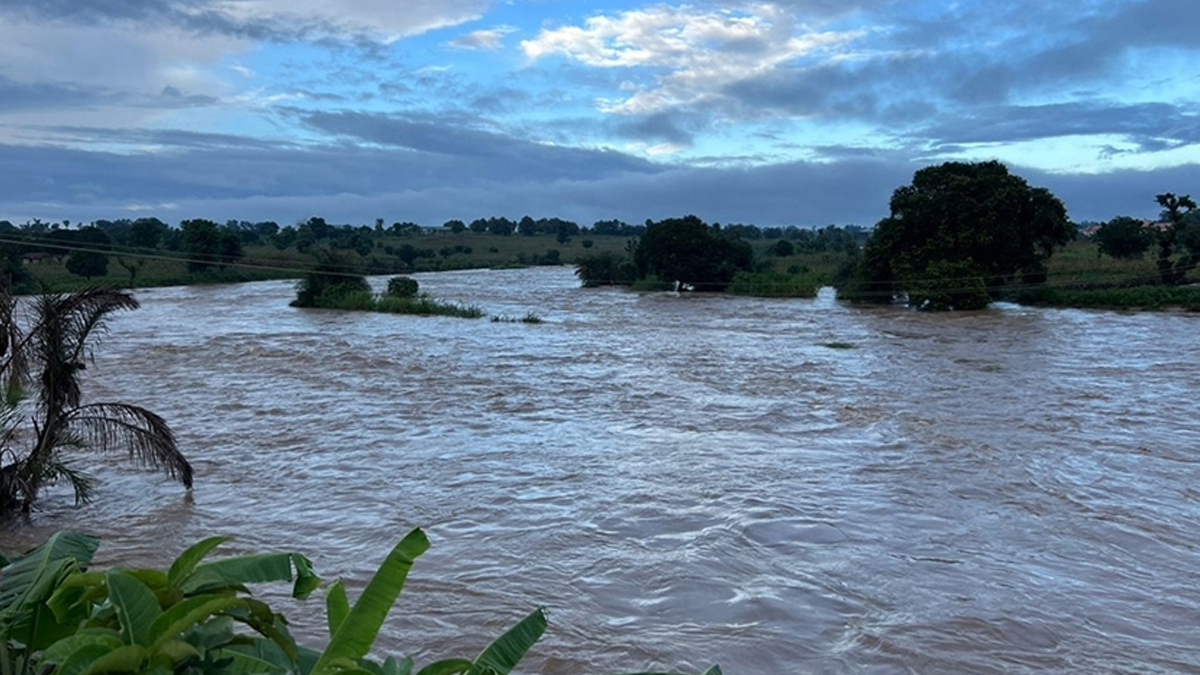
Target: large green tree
{"type": "Point", "coordinates": [959, 232]}
{"type": "Point", "coordinates": [1123, 237]}
{"type": "Point", "coordinates": [208, 244]}
{"type": "Point", "coordinates": [43, 358]}
{"type": "Point", "coordinates": [688, 251]}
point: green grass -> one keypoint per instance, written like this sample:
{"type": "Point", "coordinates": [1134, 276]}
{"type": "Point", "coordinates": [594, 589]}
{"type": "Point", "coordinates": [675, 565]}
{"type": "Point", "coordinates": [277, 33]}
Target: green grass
{"type": "Point", "coordinates": [1136, 297]}
{"type": "Point", "coordinates": [423, 305]}
{"type": "Point", "coordinates": [773, 284]}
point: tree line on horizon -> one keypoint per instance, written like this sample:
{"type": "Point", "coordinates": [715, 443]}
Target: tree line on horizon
{"type": "Point", "coordinates": [88, 250]}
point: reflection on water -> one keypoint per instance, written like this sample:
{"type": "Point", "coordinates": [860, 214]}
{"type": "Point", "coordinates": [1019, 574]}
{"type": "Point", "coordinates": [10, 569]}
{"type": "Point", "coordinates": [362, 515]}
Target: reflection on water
{"type": "Point", "coordinates": [683, 480]}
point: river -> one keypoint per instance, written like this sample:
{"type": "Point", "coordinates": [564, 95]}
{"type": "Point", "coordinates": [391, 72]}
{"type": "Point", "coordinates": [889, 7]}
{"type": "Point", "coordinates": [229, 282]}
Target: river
{"type": "Point", "coordinates": [780, 486]}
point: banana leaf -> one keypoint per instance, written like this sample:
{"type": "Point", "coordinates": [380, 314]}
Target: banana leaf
{"type": "Point", "coordinates": [500, 657]}
{"type": "Point", "coordinates": [358, 630]}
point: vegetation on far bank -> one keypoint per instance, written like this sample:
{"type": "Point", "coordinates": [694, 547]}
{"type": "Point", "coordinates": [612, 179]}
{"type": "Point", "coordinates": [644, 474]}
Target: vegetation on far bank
{"type": "Point", "coordinates": [961, 235]}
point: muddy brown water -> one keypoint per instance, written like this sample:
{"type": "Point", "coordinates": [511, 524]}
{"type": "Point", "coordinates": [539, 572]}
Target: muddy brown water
{"type": "Point", "coordinates": [686, 480]}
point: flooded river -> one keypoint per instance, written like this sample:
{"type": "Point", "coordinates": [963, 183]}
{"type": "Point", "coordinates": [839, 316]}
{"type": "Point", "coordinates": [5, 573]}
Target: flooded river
{"type": "Point", "coordinates": [780, 486]}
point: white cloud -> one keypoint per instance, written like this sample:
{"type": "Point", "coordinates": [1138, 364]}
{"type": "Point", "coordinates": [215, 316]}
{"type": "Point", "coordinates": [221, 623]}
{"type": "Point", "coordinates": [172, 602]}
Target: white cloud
{"type": "Point", "coordinates": [691, 53]}
{"type": "Point", "coordinates": [487, 40]}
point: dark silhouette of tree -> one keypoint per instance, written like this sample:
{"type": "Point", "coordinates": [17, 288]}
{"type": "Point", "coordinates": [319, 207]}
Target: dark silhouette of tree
{"type": "Point", "coordinates": [687, 251]}
{"type": "Point", "coordinates": [1124, 237]}
{"type": "Point", "coordinates": [207, 244]}
{"type": "Point", "coordinates": [1175, 210]}
{"type": "Point", "coordinates": [974, 221]}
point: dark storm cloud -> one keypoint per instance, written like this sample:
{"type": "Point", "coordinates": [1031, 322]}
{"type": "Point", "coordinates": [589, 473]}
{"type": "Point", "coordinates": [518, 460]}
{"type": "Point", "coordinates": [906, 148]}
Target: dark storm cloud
{"type": "Point", "coordinates": [223, 177]}
{"type": "Point", "coordinates": [188, 14]}
{"type": "Point", "coordinates": [1156, 125]}
{"type": "Point", "coordinates": [656, 128]}
{"type": "Point", "coordinates": [22, 96]}
{"type": "Point", "coordinates": [490, 151]}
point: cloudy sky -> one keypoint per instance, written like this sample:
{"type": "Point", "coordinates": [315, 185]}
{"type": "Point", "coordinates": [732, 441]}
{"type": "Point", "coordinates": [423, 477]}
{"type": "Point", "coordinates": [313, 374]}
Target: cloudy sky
{"type": "Point", "coordinates": [804, 112]}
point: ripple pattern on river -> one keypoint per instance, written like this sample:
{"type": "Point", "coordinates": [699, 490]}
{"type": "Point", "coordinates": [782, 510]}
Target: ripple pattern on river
{"type": "Point", "coordinates": [683, 480]}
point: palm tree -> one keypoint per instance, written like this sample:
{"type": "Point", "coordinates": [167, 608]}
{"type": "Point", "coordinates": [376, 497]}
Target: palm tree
{"type": "Point", "coordinates": [50, 356]}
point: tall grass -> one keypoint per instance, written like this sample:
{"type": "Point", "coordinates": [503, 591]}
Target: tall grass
{"type": "Point", "coordinates": [1137, 297]}
{"type": "Point", "coordinates": [773, 284]}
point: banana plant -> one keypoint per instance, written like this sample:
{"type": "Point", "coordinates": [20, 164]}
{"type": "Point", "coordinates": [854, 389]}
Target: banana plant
{"type": "Point", "coordinates": [58, 615]}
{"type": "Point", "coordinates": [58, 618]}
{"type": "Point", "coordinates": [26, 584]}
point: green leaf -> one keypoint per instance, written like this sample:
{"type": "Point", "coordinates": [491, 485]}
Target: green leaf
{"type": "Point", "coordinates": [271, 625]}
{"type": "Point", "coordinates": [250, 569]}
{"type": "Point", "coordinates": [337, 605]}
{"type": "Point", "coordinates": [262, 656]}
{"type": "Point", "coordinates": [357, 632]}
{"type": "Point", "coordinates": [70, 598]}
{"type": "Point", "coordinates": [153, 579]}
{"type": "Point", "coordinates": [176, 651]}
{"type": "Point", "coordinates": [446, 667]}
{"type": "Point", "coordinates": [137, 608]}
{"type": "Point", "coordinates": [72, 648]}
{"type": "Point", "coordinates": [714, 670]}
{"type": "Point", "coordinates": [190, 612]}
{"type": "Point", "coordinates": [45, 561]}
{"type": "Point", "coordinates": [506, 651]}
{"type": "Point", "coordinates": [122, 659]}
{"type": "Point", "coordinates": [395, 666]}
{"type": "Point", "coordinates": [82, 657]}
{"type": "Point", "coordinates": [187, 561]}
{"type": "Point", "coordinates": [20, 619]}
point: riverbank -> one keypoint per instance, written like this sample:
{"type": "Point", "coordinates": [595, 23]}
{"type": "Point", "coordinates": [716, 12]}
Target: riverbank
{"type": "Point", "coordinates": [1077, 275]}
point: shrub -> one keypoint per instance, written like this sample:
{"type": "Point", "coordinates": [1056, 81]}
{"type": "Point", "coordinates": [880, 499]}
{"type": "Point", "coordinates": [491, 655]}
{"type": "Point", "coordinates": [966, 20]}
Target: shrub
{"type": "Point", "coordinates": [332, 277]}
{"type": "Point", "coordinates": [773, 284]}
{"type": "Point", "coordinates": [605, 269]}
{"type": "Point", "coordinates": [402, 287]}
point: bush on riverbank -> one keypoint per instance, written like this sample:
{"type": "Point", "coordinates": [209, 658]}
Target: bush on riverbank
{"type": "Point", "coordinates": [199, 618]}
{"type": "Point", "coordinates": [1136, 297]}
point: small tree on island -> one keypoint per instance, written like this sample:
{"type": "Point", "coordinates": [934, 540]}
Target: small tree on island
{"type": "Point", "coordinates": [958, 234]}
{"type": "Point", "coordinates": [333, 277]}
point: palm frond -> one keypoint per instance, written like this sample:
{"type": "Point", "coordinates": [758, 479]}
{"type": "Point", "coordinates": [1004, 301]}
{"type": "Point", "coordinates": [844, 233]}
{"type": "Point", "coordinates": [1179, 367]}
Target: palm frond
{"type": "Point", "coordinates": [59, 338]}
{"type": "Point", "coordinates": [146, 436]}
{"type": "Point", "coordinates": [57, 470]}
{"type": "Point", "coordinates": [14, 361]}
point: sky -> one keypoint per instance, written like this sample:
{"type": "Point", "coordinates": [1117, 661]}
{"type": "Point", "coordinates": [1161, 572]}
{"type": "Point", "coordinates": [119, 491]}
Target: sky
{"type": "Point", "coordinates": [785, 112]}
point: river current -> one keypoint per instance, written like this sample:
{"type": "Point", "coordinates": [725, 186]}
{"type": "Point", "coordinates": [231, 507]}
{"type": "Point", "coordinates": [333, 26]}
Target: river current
{"type": "Point", "coordinates": [780, 486]}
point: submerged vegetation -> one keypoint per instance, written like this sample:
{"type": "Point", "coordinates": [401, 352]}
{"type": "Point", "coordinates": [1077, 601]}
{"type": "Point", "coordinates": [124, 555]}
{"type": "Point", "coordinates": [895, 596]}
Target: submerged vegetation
{"type": "Point", "coordinates": [43, 416]}
{"type": "Point", "coordinates": [58, 617]}
{"type": "Point", "coordinates": [330, 286]}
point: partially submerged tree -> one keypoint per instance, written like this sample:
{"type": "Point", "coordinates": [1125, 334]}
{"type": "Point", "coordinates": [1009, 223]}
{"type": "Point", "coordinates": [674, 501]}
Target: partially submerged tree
{"type": "Point", "coordinates": [959, 228]}
{"type": "Point", "coordinates": [687, 251]}
{"type": "Point", "coordinates": [43, 416]}
{"type": "Point", "coordinates": [333, 277]}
